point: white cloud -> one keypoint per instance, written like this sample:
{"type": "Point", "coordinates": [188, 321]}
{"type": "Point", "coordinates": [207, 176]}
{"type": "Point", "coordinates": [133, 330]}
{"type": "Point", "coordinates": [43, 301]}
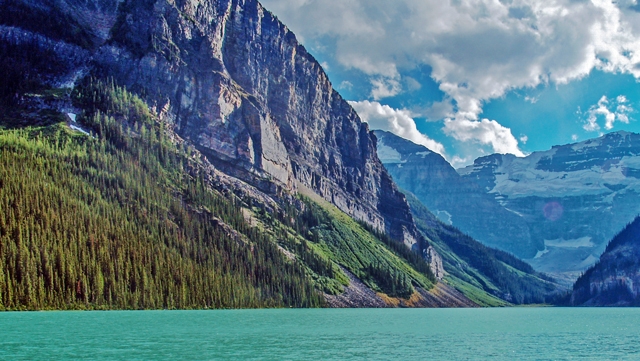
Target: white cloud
{"type": "Point", "coordinates": [396, 121]}
{"type": "Point", "coordinates": [524, 139]}
{"type": "Point", "coordinates": [478, 50]}
{"type": "Point", "coordinates": [439, 110]}
{"type": "Point", "coordinates": [384, 88]}
{"type": "Point", "coordinates": [484, 131]}
{"type": "Point", "coordinates": [574, 137]}
{"type": "Point", "coordinates": [458, 162]}
{"type": "Point", "coordinates": [345, 84]}
{"type": "Point", "coordinates": [610, 109]}
{"type": "Point", "coordinates": [412, 84]}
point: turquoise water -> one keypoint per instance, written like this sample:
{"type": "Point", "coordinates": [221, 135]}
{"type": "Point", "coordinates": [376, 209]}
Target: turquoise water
{"type": "Point", "coordinates": [351, 334]}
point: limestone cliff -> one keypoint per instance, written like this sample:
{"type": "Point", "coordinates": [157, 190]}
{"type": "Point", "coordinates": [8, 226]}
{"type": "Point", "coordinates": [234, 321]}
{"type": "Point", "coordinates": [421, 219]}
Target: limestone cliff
{"type": "Point", "coordinates": [233, 80]}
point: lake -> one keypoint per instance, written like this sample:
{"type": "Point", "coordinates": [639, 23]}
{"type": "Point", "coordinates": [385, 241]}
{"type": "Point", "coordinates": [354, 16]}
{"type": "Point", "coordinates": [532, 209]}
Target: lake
{"type": "Point", "coordinates": [325, 334]}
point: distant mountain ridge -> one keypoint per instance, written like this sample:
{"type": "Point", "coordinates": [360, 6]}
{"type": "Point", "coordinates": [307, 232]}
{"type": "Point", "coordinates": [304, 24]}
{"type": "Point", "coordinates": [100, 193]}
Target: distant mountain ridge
{"type": "Point", "coordinates": [454, 199]}
{"type": "Point", "coordinates": [555, 208]}
{"type": "Point", "coordinates": [574, 197]}
{"type": "Point", "coordinates": [472, 266]}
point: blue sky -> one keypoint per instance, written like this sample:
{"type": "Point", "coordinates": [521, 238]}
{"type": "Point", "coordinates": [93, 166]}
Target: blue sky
{"type": "Point", "coordinates": [473, 77]}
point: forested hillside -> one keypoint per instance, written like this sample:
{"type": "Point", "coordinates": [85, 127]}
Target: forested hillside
{"type": "Point", "coordinates": [613, 280]}
{"type": "Point", "coordinates": [114, 220]}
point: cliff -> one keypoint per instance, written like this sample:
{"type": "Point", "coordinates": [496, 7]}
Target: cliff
{"type": "Point", "coordinates": [232, 79]}
{"type": "Point", "coordinates": [228, 79]}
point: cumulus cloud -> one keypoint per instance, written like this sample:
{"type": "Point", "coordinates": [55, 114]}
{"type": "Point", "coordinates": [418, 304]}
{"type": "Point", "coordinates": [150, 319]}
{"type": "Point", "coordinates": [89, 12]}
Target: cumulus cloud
{"type": "Point", "coordinates": [396, 121]}
{"type": "Point", "coordinates": [478, 50]}
{"type": "Point", "coordinates": [611, 110]}
{"type": "Point", "coordinates": [485, 131]}
{"type": "Point", "coordinates": [457, 161]}
{"type": "Point", "coordinates": [524, 139]}
{"type": "Point", "coordinates": [439, 110]}
{"type": "Point", "coordinates": [412, 84]}
{"type": "Point", "coordinates": [345, 84]}
{"type": "Point", "coordinates": [384, 88]}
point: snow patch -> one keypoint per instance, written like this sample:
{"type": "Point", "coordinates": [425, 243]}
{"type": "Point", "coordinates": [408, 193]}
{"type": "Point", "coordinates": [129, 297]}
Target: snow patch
{"type": "Point", "coordinates": [423, 154]}
{"type": "Point", "coordinates": [592, 143]}
{"type": "Point", "coordinates": [588, 262]}
{"type": "Point", "coordinates": [466, 170]}
{"type": "Point", "coordinates": [519, 177]}
{"type": "Point", "coordinates": [75, 126]}
{"type": "Point", "coordinates": [569, 243]}
{"type": "Point", "coordinates": [388, 154]}
{"type": "Point", "coordinates": [512, 211]}
{"type": "Point", "coordinates": [444, 216]}
{"type": "Point", "coordinates": [541, 253]}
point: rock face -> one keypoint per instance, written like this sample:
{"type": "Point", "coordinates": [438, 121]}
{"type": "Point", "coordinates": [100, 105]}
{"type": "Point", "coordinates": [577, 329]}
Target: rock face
{"type": "Point", "coordinates": [452, 198]}
{"type": "Point", "coordinates": [233, 80]}
{"type": "Point", "coordinates": [573, 197]}
{"type": "Point", "coordinates": [615, 279]}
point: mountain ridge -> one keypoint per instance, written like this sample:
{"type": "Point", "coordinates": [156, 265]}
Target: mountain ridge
{"type": "Point", "coordinates": [182, 55]}
{"type": "Point", "coordinates": [454, 199]}
{"type": "Point", "coordinates": [575, 197]}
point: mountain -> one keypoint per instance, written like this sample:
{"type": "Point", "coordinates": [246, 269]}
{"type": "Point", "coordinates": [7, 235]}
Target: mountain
{"type": "Point", "coordinates": [613, 280]}
{"type": "Point", "coordinates": [433, 187]}
{"type": "Point", "coordinates": [231, 79]}
{"type": "Point", "coordinates": [161, 154]}
{"type": "Point", "coordinates": [574, 197]}
{"type": "Point", "coordinates": [455, 200]}
{"type": "Point", "coordinates": [109, 208]}
{"type": "Point", "coordinates": [477, 270]}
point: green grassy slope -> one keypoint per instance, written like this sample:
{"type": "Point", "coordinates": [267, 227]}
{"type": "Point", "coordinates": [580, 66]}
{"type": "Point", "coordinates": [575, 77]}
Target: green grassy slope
{"type": "Point", "coordinates": [381, 263]}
